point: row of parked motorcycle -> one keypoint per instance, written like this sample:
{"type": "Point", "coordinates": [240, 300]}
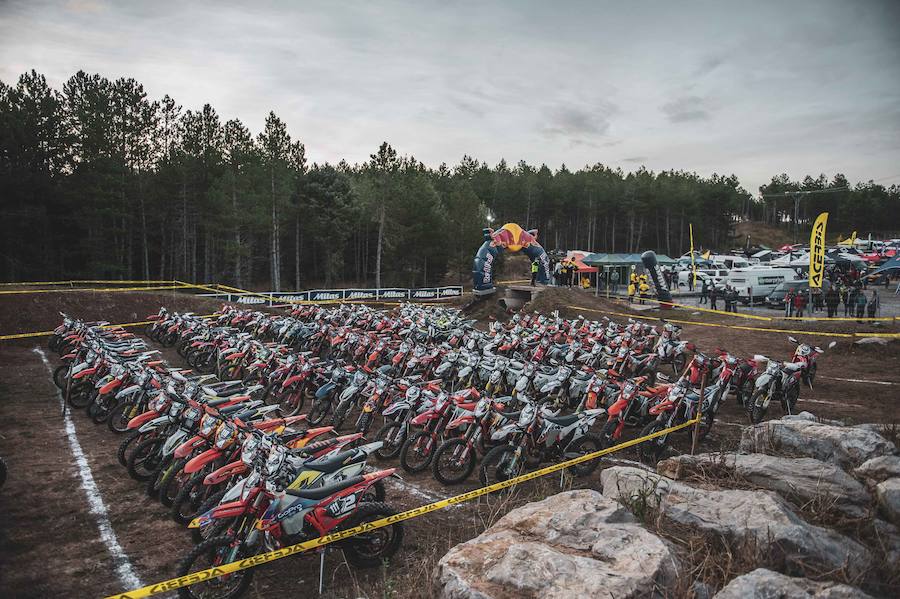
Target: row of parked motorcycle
{"type": "Point", "coordinates": [226, 447]}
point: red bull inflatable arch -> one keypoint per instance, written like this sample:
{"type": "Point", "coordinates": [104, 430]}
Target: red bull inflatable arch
{"type": "Point", "coordinates": [509, 237]}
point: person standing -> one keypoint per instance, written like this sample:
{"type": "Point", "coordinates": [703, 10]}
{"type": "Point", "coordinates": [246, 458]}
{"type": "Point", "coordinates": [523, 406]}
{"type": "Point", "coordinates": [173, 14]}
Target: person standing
{"type": "Point", "coordinates": [704, 292]}
{"type": "Point", "coordinates": [644, 290]}
{"type": "Point", "coordinates": [557, 269]}
{"type": "Point", "coordinates": [789, 303]}
{"type": "Point", "coordinates": [831, 301]}
{"type": "Point", "coordinates": [713, 296]}
{"type": "Point", "coordinates": [872, 307]}
{"type": "Point", "coordinates": [861, 303]}
{"type": "Point", "coordinates": [726, 295]}
{"type": "Point", "coordinates": [845, 298]}
{"type": "Point", "coordinates": [534, 272]}
{"type": "Point", "coordinates": [799, 304]}
{"type": "Point", "coordinates": [573, 273]}
{"type": "Point", "coordinates": [734, 299]}
{"type": "Point", "coordinates": [632, 288]}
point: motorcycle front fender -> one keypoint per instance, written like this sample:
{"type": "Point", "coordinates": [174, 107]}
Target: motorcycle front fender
{"type": "Point", "coordinates": [325, 390]}
{"type": "Point", "coordinates": [127, 391]}
{"type": "Point", "coordinates": [155, 424]}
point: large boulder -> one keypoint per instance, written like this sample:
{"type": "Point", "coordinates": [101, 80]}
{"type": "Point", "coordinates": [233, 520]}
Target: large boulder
{"type": "Point", "coordinates": [799, 479]}
{"type": "Point", "coordinates": [760, 520]}
{"type": "Point", "coordinates": [845, 446]}
{"type": "Point", "coordinates": [879, 469]}
{"type": "Point", "coordinates": [574, 544]}
{"type": "Point", "coordinates": [766, 584]}
{"type": "Point", "coordinates": [888, 495]}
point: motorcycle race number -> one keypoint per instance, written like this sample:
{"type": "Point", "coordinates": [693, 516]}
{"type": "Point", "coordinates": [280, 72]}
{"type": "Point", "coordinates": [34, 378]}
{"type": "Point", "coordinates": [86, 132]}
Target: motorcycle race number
{"type": "Point", "coordinates": [341, 506]}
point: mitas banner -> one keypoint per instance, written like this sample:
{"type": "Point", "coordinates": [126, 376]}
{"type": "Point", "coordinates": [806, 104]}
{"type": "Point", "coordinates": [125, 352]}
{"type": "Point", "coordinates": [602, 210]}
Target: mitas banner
{"type": "Point", "coordinates": [817, 252]}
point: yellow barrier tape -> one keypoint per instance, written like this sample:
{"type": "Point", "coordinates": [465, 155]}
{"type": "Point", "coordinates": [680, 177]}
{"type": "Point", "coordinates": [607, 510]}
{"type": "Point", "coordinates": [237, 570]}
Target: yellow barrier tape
{"type": "Point", "coordinates": [714, 324]}
{"type": "Point", "coordinates": [106, 326]}
{"type": "Point", "coordinates": [93, 289]}
{"type": "Point", "coordinates": [689, 307]}
{"type": "Point", "coordinates": [256, 560]}
{"type": "Point", "coordinates": [81, 282]}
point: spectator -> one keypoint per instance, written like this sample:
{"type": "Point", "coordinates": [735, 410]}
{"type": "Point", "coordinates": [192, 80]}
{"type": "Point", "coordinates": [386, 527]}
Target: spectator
{"type": "Point", "coordinates": [644, 289]}
{"type": "Point", "coordinates": [860, 306]}
{"type": "Point", "coordinates": [831, 301]}
{"type": "Point", "coordinates": [845, 298]}
{"type": "Point", "coordinates": [799, 304]}
{"type": "Point", "coordinates": [726, 295]}
{"type": "Point", "coordinates": [734, 299]}
{"type": "Point", "coordinates": [789, 303]}
{"type": "Point", "coordinates": [704, 292]}
{"type": "Point", "coordinates": [872, 307]}
{"type": "Point", "coordinates": [713, 296]}
{"type": "Point", "coordinates": [557, 270]}
{"type": "Point", "coordinates": [632, 288]}
{"type": "Point", "coordinates": [534, 272]}
{"type": "Point", "coordinates": [571, 270]}
{"type": "Point", "coordinates": [817, 300]}
{"type": "Point", "coordinates": [850, 308]}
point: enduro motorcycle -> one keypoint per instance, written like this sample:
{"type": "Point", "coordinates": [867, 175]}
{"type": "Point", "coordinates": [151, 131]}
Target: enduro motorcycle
{"type": "Point", "coordinates": [418, 449]}
{"type": "Point", "coordinates": [537, 437]}
{"type": "Point", "coordinates": [454, 460]}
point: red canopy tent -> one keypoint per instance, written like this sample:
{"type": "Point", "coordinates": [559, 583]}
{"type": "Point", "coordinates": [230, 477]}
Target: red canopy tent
{"type": "Point", "coordinates": [577, 257]}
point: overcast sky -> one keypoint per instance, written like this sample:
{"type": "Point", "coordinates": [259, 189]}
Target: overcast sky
{"type": "Point", "coordinates": [751, 88]}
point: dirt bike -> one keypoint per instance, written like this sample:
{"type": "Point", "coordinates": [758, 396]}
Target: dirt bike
{"type": "Point", "coordinates": [454, 460]}
{"type": "Point", "coordinates": [418, 449]}
{"type": "Point", "coordinates": [538, 437]}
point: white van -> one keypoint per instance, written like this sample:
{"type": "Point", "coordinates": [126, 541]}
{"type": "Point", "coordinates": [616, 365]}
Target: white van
{"type": "Point", "coordinates": [761, 280]}
{"type": "Point", "coordinates": [729, 262]}
{"type": "Point", "coordinates": [717, 276]}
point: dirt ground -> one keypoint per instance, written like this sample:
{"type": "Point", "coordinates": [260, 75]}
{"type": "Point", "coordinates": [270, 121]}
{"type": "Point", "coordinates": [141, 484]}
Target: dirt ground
{"type": "Point", "coordinates": [49, 540]}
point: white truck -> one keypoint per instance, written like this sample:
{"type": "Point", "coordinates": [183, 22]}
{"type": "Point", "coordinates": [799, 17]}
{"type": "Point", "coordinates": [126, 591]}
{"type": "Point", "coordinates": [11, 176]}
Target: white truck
{"type": "Point", "coordinates": [759, 281]}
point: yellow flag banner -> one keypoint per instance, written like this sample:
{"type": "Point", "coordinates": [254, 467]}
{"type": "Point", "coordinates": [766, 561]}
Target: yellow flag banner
{"type": "Point", "coordinates": [817, 252]}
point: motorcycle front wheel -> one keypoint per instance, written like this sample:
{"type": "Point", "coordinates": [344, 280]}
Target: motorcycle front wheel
{"type": "Point", "coordinates": [211, 553]}
{"type": "Point", "coordinates": [500, 464]}
{"type": "Point", "coordinates": [651, 450]}
{"type": "Point", "coordinates": [756, 407]}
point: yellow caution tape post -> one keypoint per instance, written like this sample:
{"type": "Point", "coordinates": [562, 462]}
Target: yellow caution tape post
{"type": "Point", "coordinates": [263, 558]}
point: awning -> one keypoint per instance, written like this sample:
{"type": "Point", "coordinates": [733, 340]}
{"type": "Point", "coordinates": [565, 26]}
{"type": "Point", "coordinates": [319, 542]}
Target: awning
{"type": "Point", "coordinates": [890, 266]}
{"type": "Point", "coordinates": [578, 258]}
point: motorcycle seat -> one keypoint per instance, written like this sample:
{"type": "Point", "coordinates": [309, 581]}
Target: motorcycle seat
{"type": "Point", "coordinates": [510, 415]}
{"type": "Point", "coordinates": [331, 462]}
{"type": "Point", "coordinates": [323, 492]}
{"type": "Point", "coordinates": [562, 420]}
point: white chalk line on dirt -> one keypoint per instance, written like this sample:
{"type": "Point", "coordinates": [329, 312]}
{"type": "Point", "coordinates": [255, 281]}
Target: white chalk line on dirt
{"type": "Point", "coordinates": [414, 490]}
{"type": "Point", "coordinates": [867, 381]}
{"type": "Point", "coordinates": [125, 571]}
{"type": "Point", "coordinates": [832, 403]}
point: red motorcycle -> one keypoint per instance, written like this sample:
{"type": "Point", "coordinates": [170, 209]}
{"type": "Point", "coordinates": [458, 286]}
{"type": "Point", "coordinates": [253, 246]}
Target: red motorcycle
{"type": "Point", "coordinates": [419, 448]}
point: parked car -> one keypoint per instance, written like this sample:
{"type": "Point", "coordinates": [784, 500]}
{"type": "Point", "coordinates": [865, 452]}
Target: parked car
{"type": "Point", "coordinates": [776, 298]}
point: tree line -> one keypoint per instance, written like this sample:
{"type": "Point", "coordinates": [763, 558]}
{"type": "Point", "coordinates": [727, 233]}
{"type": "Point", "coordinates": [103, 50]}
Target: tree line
{"type": "Point", "coordinates": [98, 180]}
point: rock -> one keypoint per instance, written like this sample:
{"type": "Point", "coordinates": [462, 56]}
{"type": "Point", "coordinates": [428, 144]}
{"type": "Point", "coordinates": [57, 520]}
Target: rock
{"type": "Point", "coordinates": [871, 341]}
{"type": "Point", "coordinates": [812, 418]}
{"type": "Point", "coordinates": [701, 590]}
{"type": "Point", "coordinates": [888, 495]}
{"type": "Point", "coordinates": [799, 479]}
{"type": "Point", "coordinates": [574, 544]}
{"type": "Point", "coordinates": [843, 445]}
{"type": "Point", "coordinates": [761, 519]}
{"type": "Point", "coordinates": [880, 468]}
{"type": "Point", "coordinates": [766, 584]}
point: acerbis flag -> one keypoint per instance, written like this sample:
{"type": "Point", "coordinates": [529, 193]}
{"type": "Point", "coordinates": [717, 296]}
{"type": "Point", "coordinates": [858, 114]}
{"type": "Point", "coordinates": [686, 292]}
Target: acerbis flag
{"type": "Point", "coordinates": [817, 252]}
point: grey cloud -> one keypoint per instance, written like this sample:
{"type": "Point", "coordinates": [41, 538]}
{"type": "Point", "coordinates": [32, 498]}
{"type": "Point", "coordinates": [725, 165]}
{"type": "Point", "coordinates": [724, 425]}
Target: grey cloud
{"type": "Point", "coordinates": [577, 122]}
{"type": "Point", "coordinates": [686, 108]}
{"type": "Point", "coordinates": [635, 159]}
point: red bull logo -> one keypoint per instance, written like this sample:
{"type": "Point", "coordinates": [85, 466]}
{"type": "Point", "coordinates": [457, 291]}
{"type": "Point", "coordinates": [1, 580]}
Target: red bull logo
{"type": "Point", "coordinates": [512, 237]}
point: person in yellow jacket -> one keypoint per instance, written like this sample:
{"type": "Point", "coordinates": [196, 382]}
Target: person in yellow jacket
{"type": "Point", "coordinates": [631, 291]}
{"type": "Point", "coordinates": [644, 290]}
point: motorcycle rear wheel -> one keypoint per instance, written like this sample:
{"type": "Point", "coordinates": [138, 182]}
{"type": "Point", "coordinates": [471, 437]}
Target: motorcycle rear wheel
{"type": "Point", "coordinates": [371, 549]}
{"type": "Point", "coordinates": [589, 443]}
